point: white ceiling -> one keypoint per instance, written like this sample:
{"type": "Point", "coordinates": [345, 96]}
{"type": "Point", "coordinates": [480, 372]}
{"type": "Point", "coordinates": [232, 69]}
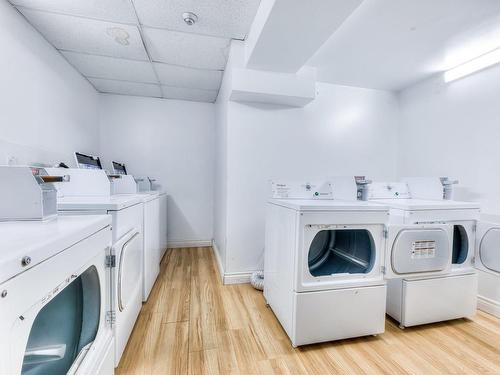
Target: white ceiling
{"type": "Point", "coordinates": [162, 55]}
{"type": "Point", "coordinates": [391, 44]}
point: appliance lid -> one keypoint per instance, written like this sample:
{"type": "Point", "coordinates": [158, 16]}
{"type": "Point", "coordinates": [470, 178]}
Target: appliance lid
{"type": "Point", "coordinates": [111, 203]}
{"type": "Point", "coordinates": [24, 244]}
{"type": "Point", "coordinates": [328, 205]}
{"type": "Point", "coordinates": [426, 205]}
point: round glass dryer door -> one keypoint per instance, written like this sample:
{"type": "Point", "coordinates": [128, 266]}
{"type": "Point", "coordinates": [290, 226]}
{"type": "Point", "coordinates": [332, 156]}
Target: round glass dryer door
{"type": "Point", "coordinates": [341, 251]}
{"type": "Point", "coordinates": [65, 327]}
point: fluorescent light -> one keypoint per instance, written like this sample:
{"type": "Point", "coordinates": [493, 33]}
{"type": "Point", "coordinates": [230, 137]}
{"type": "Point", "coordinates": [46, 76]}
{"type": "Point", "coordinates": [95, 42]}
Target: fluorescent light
{"type": "Point", "coordinates": [472, 66]}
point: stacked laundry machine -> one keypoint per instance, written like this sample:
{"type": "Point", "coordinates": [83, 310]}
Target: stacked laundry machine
{"type": "Point", "coordinates": [54, 294]}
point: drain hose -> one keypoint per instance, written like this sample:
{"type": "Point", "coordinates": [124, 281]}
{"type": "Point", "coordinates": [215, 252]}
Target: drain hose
{"type": "Point", "coordinates": [257, 280]}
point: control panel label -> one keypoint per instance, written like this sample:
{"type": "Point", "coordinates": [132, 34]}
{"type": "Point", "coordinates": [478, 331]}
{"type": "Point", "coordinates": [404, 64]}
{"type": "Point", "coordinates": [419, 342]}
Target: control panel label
{"type": "Point", "coordinates": [423, 249]}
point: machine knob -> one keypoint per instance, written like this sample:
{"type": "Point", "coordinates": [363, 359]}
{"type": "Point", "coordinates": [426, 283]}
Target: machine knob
{"type": "Point", "coordinates": [26, 261]}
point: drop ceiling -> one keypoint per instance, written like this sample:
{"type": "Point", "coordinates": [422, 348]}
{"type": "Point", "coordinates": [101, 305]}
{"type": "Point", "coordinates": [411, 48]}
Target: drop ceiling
{"type": "Point", "coordinates": [392, 44]}
{"type": "Point", "coordinates": [144, 47]}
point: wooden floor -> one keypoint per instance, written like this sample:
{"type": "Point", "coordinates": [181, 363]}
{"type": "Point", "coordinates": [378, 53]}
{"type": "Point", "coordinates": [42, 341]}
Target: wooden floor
{"type": "Point", "coordinates": [192, 324]}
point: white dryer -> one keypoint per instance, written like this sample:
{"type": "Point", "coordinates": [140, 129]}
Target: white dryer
{"type": "Point", "coordinates": [475, 243]}
{"type": "Point", "coordinates": [89, 193]}
{"type": "Point", "coordinates": [448, 288]}
{"type": "Point", "coordinates": [323, 262]}
{"type": "Point", "coordinates": [54, 297]}
{"type": "Point", "coordinates": [149, 185]}
{"type": "Point", "coordinates": [151, 225]}
{"type": "Point", "coordinates": [487, 262]}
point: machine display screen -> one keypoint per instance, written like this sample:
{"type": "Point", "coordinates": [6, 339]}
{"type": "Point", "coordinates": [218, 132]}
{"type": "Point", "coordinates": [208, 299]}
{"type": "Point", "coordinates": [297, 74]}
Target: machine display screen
{"type": "Point", "coordinates": [87, 161]}
{"type": "Point", "coordinates": [119, 168]}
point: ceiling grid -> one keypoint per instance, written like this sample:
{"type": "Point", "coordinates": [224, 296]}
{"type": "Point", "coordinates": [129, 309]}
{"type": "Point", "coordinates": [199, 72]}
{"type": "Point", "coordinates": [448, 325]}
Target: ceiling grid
{"type": "Point", "coordinates": [144, 47]}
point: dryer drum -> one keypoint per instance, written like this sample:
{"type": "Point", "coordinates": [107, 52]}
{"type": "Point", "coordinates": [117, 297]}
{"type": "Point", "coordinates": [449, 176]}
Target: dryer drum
{"type": "Point", "coordinates": [341, 251]}
{"type": "Point", "coordinates": [460, 244]}
{"type": "Point", "coordinates": [64, 327]}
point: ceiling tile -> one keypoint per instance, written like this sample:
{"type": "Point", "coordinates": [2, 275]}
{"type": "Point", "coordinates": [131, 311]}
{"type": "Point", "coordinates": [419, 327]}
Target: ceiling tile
{"type": "Point", "coordinates": [229, 19]}
{"type": "Point", "coordinates": [179, 76]}
{"type": "Point", "coordinates": [87, 35]}
{"type": "Point", "coordinates": [189, 94]}
{"type": "Point", "coordinates": [126, 88]}
{"type": "Point", "coordinates": [112, 68]}
{"type": "Point", "coordinates": [109, 10]}
{"type": "Point", "coordinates": [192, 50]}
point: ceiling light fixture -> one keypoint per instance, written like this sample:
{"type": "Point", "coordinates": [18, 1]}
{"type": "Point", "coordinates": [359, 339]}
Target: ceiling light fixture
{"type": "Point", "coordinates": [190, 18]}
{"type": "Point", "coordinates": [119, 35]}
{"type": "Point", "coordinates": [472, 66]}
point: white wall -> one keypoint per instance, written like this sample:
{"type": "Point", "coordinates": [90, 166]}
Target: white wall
{"type": "Point", "coordinates": [453, 129]}
{"type": "Point", "coordinates": [345, 131]}
{"type": "Point", "coordinates": [172, 141]}
{"type": "Point", "coordinates": [48, 110]}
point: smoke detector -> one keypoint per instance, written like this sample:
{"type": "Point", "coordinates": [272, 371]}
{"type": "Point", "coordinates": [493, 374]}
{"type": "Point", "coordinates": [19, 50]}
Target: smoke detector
{"type": "Point", "coordinates": [120, 35]}
{"type": "Point", "coordinates": [190, 18]}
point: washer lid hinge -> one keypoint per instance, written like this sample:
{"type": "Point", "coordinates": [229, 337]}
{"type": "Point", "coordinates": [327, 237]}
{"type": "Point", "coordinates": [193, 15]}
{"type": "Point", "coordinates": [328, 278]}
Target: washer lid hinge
{"type": "Point", "coordinates": [382, 269]}
{"type": "Point", "coordinates": [385, 233]}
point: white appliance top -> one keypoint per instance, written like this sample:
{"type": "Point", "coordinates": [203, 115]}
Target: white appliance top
{"type": "Point", "coordinates": [110, 203]}
{"type": "Point", "coordinates": [41, 240]}
{"type": "Point", "coordinates": [425, 205]}
{"type": "Point", "coordinates": [328, 205]}
{"type": "Point", "coordinates": [147, 196]}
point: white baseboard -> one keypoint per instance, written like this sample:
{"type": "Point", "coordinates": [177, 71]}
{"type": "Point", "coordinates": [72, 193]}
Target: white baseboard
{"type": "Point", "coordinates": [229, 278]}
{"type": "Point", "coordinates": [488, 305]}
{"type": "Point", "coordinates": [193, 243]}
{"type": "Point", "coordinates": [237, 278]}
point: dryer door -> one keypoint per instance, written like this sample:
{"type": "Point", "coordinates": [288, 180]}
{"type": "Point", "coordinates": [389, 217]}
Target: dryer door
{"type": "Point", "coordinates": [128, 252]}
{"type": "Point", "coordinates": [418, 250]}
{"type": "Point", "coordinates": [336, 256]}
{"type": "Point", "coordinates": [488, 247]}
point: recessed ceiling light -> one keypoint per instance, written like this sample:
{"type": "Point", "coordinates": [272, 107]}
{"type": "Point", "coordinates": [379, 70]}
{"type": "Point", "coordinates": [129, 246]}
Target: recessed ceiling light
{"type": "Point", "coordinates": [120, 35]}
{"type": "Point", "coordinates": [190, 18]}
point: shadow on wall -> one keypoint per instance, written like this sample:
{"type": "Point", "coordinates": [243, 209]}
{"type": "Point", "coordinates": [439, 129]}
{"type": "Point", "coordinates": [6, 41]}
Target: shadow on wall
{"type": "Point", "coordinates": [178, 223]}
{"type": "Point", "coordinates": [465, 194]}
{"type": "Point", "coordinates": [15, 154]}
{"type": "Point", "coordinates": [267, 106]}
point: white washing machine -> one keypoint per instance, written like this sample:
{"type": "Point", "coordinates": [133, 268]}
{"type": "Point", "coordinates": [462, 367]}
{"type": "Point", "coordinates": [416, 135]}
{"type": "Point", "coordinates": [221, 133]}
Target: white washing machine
{"type": "Point", "coordinates": [148, 185]}
{"type": "Point", "coordinates": [450, 292]}
{"type": "Point", "coordinates": [151, 225]}
{"type": "Point", "coordinates": [89, 193]}
{"type": "Point", "coordinates": [324, 261]}
{"type": "Point", "coordinates": [54, 297]}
